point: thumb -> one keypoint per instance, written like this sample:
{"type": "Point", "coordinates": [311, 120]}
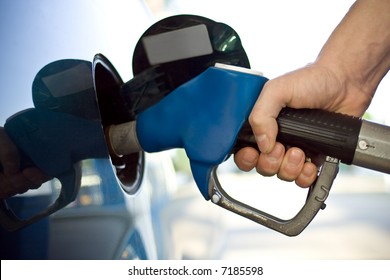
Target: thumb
{"type": "Point", "coordinates": [263, 118]}
{"type": "Point", "coordinates": [9, 155]}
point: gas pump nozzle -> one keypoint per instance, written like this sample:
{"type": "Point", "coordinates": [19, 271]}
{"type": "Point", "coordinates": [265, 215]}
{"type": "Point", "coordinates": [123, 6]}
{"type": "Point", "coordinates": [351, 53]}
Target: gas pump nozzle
{"type": "Point", "coordinates": [207, 117]}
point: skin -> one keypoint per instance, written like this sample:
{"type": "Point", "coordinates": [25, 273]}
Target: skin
{"type": "Point", "coordinates": [343, 79]}
{"type": "Point", "coordinates": [14, 180]}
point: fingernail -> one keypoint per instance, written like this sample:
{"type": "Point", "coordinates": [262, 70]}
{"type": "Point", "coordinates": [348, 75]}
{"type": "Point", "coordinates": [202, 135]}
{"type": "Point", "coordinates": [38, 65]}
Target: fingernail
{"type": "Point", "coordinates": [295, 157]}
{"type": "Point", "coordinates": [249, 159]}
{"type": "Point", "coordinates": [263, 143]}
{"type": "Point", "coordinates": [307, 172]}
{"type": "Point", "coordinates": [276, 153]}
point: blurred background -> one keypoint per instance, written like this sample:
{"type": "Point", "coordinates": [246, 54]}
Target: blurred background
{"type": "Point", "coordinates": [278, 36]}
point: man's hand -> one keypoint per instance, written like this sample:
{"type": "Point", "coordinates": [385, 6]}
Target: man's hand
{"type": "Point", "coordinates": [13, 180]}
{"type": "Point", "coordinates": [343, 79]}
{"type": "Point", "coordinates": [314, 86]}
{"type": "Point", "coordinates": [311, 87]}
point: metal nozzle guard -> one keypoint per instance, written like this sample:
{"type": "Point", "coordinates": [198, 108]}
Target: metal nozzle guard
{"type": "Point", "coordinates": [315, 201]}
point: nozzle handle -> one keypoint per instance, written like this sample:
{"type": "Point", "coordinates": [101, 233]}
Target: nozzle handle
{"type": "Point", "coordinates": [70, 185]}
{"type": "Point", "coordinates": [313, 130]}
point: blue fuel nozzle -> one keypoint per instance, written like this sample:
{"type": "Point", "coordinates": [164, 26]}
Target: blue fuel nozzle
{"type": "Point", "coordinates": [203, 116]}
{"type": "Point", "coordinates": [55, 142]}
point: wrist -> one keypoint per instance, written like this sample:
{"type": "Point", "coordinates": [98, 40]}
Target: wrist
{"type": "Point", "coordinates": [358, 50]}
{"type": "Point", "coordinates": [348, 95]}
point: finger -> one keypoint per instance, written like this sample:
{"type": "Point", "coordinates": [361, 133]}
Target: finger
{"type": "Point", "coordinates": [263, 118]}
{"type": "Point", "coordinates": [9, 155]}
{"type": "Point", "coordinates": [15, 184]}
{"type": "Point", "coordinates": [35, 176]}
{"type": "Point", "coordinates": [246, 158]}
{"type": "Point", "coordinates": [269, 164]}
{"type": "Point", "coordinates": [5, 186]}
{"type": "Point", "coordinates": [308, 175]}
{"type": "Point", "coordinates": [292, 164]}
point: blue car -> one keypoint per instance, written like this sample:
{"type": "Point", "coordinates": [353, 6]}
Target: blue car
{"type": "Point", "coordinates": [104, 222]}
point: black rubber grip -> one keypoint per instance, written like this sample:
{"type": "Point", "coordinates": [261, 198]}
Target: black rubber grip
{"type": "Point", "coordinates": [314, 131]}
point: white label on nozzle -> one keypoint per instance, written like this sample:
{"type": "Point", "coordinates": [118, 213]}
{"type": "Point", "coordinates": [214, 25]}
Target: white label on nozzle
{"type": "Point", "coordinates": [70, 81]}
{"type": "Point", "coordinates": [178, 44]}
{"type": "Point", "coordinates": [238, 69]}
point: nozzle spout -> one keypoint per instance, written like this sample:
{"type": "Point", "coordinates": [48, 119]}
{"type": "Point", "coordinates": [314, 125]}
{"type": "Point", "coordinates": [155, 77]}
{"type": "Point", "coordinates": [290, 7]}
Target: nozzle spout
{"type": "Point", "coordinates": [122, 139]}
{"type": "Point", "coordinates": [373, 149]}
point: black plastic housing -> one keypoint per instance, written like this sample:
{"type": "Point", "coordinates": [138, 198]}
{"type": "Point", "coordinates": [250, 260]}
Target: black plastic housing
{"type": "Point", "coordinates": [316, 131]}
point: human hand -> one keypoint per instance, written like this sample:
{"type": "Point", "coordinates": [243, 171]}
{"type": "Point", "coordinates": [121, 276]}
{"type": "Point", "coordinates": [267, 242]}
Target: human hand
{"type": "Point", "coordinates": [343, 79]}
{"type": "Point", "coordinates": [313, 87]}
{"type": "Point", "coordinates": [13, 180]}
